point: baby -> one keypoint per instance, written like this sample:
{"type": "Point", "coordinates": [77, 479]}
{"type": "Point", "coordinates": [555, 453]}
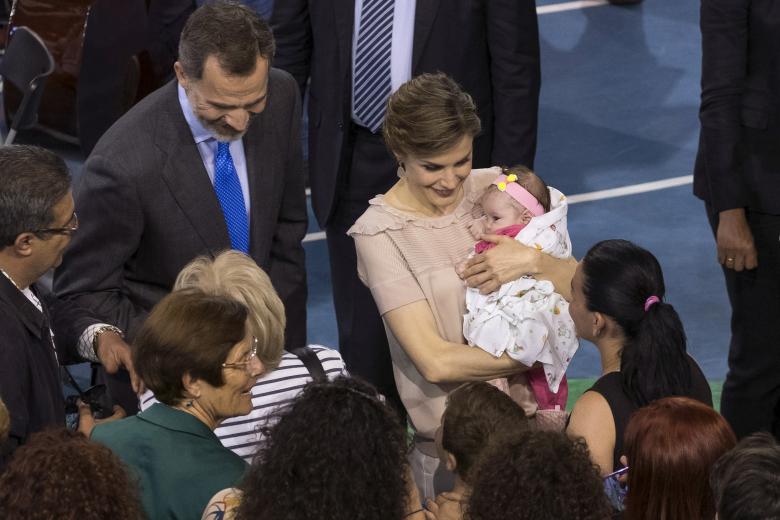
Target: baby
{"type": "Point", "coordinates": [525, 318]}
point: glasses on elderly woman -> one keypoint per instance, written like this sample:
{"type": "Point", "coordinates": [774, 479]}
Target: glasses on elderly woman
{"type": "Point", "coordinates": [248, 361]}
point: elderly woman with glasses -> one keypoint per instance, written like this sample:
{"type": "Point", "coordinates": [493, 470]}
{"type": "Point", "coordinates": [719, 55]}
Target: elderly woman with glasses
{"type": "Point", "coordinates": [235, 275]}
{"type": "Point", "coordinates": [197, 354]}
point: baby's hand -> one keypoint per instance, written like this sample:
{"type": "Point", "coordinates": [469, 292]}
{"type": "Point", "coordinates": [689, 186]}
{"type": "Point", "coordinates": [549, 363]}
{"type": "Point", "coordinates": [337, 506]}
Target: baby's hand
{"type": "Point", "coordinates": [477, 227]}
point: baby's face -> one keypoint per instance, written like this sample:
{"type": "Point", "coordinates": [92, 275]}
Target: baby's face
{"type": "Point", "coordinates": [502, 211]}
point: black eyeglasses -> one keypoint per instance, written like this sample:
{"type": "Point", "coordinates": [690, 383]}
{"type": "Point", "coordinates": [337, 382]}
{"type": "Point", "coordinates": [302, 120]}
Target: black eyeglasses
{"type": "Point", "coordinates": [69, 229]}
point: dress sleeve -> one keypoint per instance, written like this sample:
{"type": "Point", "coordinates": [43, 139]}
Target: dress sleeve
{"type": "Point", "coordinates": [384, 270]}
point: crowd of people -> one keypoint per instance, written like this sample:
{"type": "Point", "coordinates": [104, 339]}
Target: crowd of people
{"type": "Point", "coordinates": [179, 271]}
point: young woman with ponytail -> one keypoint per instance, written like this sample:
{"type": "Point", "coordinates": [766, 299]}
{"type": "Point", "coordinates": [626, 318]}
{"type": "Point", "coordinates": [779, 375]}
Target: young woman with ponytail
{"type": "Point", "coordinates": [617, 303]}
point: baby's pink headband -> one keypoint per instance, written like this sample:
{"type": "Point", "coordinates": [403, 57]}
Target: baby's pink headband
{"type": "Point", "coordinates": [508, 184]}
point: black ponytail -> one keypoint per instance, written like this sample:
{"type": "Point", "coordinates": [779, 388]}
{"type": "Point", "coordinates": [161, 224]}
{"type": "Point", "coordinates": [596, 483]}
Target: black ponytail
{"type": "Point", "coordinates": [619, 277]}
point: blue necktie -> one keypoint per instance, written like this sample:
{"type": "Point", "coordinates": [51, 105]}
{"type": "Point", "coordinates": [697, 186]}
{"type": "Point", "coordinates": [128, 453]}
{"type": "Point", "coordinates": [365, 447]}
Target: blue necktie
{"type": "Point", "coordinates": [231, 198]}
{"type": "Point", "coordinates": [372, 74]}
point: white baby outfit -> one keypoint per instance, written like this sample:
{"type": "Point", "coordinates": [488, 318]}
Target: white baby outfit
{"type": "Point", "coordinates": [526, 318]}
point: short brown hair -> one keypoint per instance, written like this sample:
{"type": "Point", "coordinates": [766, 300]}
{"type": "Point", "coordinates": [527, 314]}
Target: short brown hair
{"type": "Point", "coordinates": [429, 115]}
{"type": "Point", "coordinates": [188, 332]}
{"type": "Point", "coordinates": [62, 474]}
{"type": "Point", "coordinates": [477, 413]}
{"type": "Point", "coordinates": [234, 274]}
{"type": "Point", "coordinates": [231, 32]}
{"type": "Point", "coordinates": [671, 445]}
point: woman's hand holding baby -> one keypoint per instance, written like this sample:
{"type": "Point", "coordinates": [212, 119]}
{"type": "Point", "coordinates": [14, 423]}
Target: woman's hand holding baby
{"type": "Point", "coordinates": [508, 261]}
{"type": "Point", "coordinates": [511, 260]}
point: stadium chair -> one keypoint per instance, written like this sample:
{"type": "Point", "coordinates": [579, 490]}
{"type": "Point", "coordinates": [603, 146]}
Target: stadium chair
{"type": "Point", "coordinates": [26, 64]}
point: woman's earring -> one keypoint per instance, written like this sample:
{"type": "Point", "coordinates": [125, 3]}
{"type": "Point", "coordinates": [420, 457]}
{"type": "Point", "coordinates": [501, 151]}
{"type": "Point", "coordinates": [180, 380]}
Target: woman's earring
{"type": "Point", "coordinates": [401, 170]}
{"type": "Point", "coordinates": [188, 403]}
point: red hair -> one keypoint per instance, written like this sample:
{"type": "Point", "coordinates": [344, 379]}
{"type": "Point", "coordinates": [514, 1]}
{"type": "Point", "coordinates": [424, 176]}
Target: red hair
{"type": "Point", "coordinates": [671, 446]}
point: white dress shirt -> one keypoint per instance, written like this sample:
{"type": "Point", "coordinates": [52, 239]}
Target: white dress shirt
{"type": "Point", "coordinates": [207, 146]}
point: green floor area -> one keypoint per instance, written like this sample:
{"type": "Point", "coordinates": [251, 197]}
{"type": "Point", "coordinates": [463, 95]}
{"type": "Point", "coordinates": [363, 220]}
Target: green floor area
{"type": "Point", "coordinates": [578, 386]}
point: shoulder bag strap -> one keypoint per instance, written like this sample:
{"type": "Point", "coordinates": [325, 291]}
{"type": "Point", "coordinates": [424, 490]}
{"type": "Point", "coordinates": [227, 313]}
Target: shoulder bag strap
{"type": "Point", "coordinates": [311, 362]}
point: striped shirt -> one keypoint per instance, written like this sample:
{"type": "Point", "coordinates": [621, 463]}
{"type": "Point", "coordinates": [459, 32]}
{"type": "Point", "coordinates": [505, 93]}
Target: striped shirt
{"type": "Point", "coordinates": [271, 393]}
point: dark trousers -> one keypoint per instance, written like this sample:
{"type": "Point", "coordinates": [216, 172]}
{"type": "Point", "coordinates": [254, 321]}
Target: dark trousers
{"type": "Point", "coordinates": [751, 394]}
{"type": "Point", "coordinates": [362, 340]}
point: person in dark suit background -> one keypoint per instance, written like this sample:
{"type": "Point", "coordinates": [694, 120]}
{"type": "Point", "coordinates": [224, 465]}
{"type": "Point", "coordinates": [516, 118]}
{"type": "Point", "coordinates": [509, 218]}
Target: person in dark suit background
{"type": "Point", "coordinates": [355, 53]}
{"type": "Point", "coordinates": [38, 332]}
{"type": "Point", "coordinates": [206, 163]}
{"type": "Point", "coordinates": [737, 174]}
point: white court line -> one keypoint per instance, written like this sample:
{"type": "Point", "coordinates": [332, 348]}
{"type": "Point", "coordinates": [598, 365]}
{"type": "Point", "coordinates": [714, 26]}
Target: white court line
{"type": "Point", "coordinates": [631, 190]}
{"type": "Point", "coordinates": [611, 193]}
{"type": "Point", "coordinates": [569, 6]}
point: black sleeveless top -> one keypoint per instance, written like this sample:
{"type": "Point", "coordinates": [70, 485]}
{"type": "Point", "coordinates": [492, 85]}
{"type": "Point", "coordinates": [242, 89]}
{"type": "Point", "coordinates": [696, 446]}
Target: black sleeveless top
{"type": "Point", "coordinates": [610, 386]}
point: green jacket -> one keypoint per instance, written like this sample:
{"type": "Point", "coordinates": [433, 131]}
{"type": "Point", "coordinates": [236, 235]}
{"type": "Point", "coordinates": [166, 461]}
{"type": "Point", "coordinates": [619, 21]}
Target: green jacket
{"type": "Point", "coordinates": [179, 462]}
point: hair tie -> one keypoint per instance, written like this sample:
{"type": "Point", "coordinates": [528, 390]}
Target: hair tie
{"type": "Point", "coordinates": [651, 301]}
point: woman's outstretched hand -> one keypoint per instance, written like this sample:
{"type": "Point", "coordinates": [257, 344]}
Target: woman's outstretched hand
{"type": "Point", "coordinates": [508, 261]}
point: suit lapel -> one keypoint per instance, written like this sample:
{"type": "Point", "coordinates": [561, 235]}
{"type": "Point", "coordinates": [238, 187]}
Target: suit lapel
{"type": "Point", "coordinates": [258, 150]}
{"type": "Point", "coordinates": [188, 180]}
{"type": "Point", "coordinates": [344, 11]}
{"type": "Point", "coordinates": [424, 15]}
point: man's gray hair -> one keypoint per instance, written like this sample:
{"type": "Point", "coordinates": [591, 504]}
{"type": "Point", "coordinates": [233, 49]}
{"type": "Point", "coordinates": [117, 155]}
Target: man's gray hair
{"type": "Point", "coordinates": [32, 181]}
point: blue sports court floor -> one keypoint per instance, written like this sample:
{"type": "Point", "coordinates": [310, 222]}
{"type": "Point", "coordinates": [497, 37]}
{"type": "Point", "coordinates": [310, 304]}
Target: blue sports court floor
{"type": "Point", "coordinates": [618, 134]}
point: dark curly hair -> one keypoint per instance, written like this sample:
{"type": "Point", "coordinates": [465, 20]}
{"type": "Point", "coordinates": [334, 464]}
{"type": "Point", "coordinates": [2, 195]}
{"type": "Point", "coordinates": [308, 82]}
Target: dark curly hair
{"type": "Point", "coordinates": [538, 475]}
{"type": "Point", "coordinates": [337, 452]}
{"type": "Point", "coordinates": [62, 474]}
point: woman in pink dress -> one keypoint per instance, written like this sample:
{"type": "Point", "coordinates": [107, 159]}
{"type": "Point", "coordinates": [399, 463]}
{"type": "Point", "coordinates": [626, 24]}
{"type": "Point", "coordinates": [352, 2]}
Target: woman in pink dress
{"type": "Point", "coordinates": [410, 240]}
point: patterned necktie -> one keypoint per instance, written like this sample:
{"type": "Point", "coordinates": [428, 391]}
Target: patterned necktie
{"type": "Point", "coordinates": [231, 198]}
{"type": "Point", "coordinates": [372, 74]}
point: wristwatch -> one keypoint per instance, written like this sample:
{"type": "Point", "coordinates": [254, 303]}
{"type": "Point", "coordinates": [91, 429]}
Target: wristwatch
{"type": "Point", "coordinates": [100, 330]}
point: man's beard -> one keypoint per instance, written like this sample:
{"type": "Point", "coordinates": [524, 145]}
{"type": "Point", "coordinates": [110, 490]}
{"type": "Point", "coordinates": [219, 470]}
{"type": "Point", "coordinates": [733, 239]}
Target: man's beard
{"type": "Point", "coordinates": [221, 130]}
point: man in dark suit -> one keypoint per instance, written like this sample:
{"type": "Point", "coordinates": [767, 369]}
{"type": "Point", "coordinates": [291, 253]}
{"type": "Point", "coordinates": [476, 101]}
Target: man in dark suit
{"type": "Point", "coordinates": [205, 163]}
{"type": "Point", "coordinates": [38, 332]}
{"type": "Point", "coordinates": [738, 176]}
{"type": "Point", "coordinates": [490, 47]}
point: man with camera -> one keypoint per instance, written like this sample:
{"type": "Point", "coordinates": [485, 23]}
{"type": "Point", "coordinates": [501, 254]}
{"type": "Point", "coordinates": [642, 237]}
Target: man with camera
{"type": "Point", "coordinates": [38, 333]}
